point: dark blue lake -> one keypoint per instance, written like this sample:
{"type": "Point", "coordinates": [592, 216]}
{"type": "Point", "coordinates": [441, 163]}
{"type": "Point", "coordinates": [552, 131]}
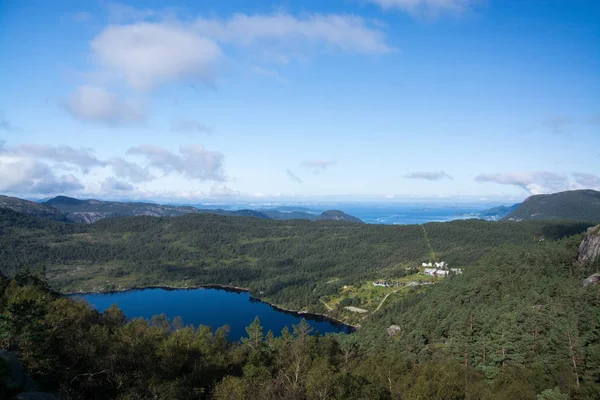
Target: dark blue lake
{"type": "Point", "coordinates": [207, 306]}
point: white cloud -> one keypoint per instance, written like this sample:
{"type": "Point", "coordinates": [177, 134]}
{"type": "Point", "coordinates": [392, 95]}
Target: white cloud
{"type": "Point", "coordinates": [220, 191]}
{"type": "Point", "coordinates": [348, 33]}
{"type": "Point", "coordinates": [317, 165]}
{"type": "Point", "coordinates": [293, 177]}
{"type": "Point", "coordinates": [543, 182]}
{"type": "Point", "coordinates": [120, 13]}
{"type": "Point", "coordinates": [96, 104]}
{"type": "Point", "coordinates": [183, 125]}
{"type": "Point", "coordinates": [82, 157]}
{"type": "Point", "coordinates": [111, 184]}
{"type": "Point", "coordinates": [149, 54]}
{"type": "Point", "coordinates": [428, 175]}
{"type": "Point", "coordinates": [588, 181]}
{"type": "Point", "coordinates": [33, 177]}
{"type": "Point", "coordinates": [193, 161]}
{"type": "Point", "coordinates": [429, 8]}
{"type": "Point", "coordinates": [130, 170]}
{"type": "Point", "coordinates": [269, 73]}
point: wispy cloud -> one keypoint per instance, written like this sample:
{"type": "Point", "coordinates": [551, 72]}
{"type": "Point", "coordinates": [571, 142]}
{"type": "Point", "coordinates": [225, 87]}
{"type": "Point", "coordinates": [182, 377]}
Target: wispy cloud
{"type": "Point", "coordinates": [542, 182]}
{"type": "Point", "coordinates": [589, 181]}
{"type": "Point", "coordinates": [428, 175]}
{"type": "Point", "coordinates": [318, 165]}
{"type": "Point", "coordinates": [83, 158]}
{"type": "Point", "coordinates": [34, 177]}
{"type": "Point", "coordinates": [82, 17]}
{"type": "Point", "coordinates": [192, 161]}
{"type": "Point", "coordinates": [184, 125]}
{"type": "Point", "coordinates": [429, 8]}
{"type": "Point", "coordinates": [292, 176]}
{"type": "Point", "coordinates": [557, 124]}
{"type": "Point", "coordinates": [95, 104]}
{"type": "Point", "coordinates": [111, 184]}
{"type": "Point", "coordinates": [6, 125]}
{"type": "Point", "coordinates": [269, 73]}
{"type": "Point", "coordinates": [594, 119]}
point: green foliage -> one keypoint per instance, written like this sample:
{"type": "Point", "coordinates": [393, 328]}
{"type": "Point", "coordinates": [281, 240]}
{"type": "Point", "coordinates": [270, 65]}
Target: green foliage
{"type": "Point", "coordinates": [575, 205]}
{"type": "Point", "coordinates": [517, 324]}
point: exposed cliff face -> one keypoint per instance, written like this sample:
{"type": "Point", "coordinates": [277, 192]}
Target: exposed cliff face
{"type": "Point", "coordinates": [589, 249]}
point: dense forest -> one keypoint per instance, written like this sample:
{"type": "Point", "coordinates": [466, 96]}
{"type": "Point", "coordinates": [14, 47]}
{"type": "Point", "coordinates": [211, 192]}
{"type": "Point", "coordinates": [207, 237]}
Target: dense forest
{"type": "Point", "coordinates": [518, 325]}
{"type": "Point", "coordinates": [291, 263]}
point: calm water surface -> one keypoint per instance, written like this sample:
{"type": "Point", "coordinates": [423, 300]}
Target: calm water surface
{"type": "Point", "coordinates": [212, 307]}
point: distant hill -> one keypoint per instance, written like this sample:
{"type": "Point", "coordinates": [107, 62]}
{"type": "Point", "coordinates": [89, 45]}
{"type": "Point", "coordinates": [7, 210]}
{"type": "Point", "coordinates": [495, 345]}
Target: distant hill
{"type": "Point", "coordinates": [577, 205]}
{"type": "Point", "coordinates": [89, 211]}
{"type": "Point", "coordinates": [497, 213]}
{"type": "Point", "coordinates": [336, 215]}
{"type": "Point", "coordinates": [31, 208]}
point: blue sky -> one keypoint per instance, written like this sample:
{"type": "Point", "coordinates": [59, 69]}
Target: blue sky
{"type": "Point", "coordinates": [252, 99]}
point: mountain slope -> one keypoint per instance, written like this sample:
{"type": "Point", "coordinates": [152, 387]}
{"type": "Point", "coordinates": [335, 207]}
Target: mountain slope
{"type": "Point", "coordinates": [497, 213]}
{"type": "Point", "coordinates": [578, 205]}
{"type": "Point", "coordinates": [89, 211]}
{"type": "Point", "coordinates": [337, 215]}
{"type": "Point", "coordinates": [31, 208]}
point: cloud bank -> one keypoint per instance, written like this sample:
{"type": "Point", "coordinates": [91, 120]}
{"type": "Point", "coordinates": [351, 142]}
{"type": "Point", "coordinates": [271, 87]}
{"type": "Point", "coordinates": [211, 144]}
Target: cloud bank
{"type": "Point", "coordinates": [543, 182]}
{"type": "Point", "coordinates": [428, 175]}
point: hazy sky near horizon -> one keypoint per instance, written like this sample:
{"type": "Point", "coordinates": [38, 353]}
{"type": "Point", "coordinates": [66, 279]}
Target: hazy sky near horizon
{"type": "Point", "coordinates": [253, 99]}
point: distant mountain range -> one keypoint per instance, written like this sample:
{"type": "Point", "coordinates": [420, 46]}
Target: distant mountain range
{"type": "Point", "coordinates": [31, 208]}
{"type": "Point", "coordinates": [63, 208]}
{"type": "Point", "coordinates": [496, 213]}
{"type": "Point", "coordinates": [576, 205]}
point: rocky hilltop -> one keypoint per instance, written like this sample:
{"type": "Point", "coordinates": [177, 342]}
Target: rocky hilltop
{"type": "Point", "coordinates": [31, 208]}
{"type": "Point", "coordinates": [589, 249]}
{"type": "Point", "coordinates": [68, 209]}
{"type": "Point", "coordinates": [90, 211]}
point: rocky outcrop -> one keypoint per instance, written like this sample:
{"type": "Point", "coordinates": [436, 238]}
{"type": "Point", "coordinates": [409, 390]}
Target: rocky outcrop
{"type": "Point", "coordinates": [17, 382]}
{"type": "Point", "coordinates": [18, 378]}
{"type": "Point", "coordinates": [393, 330]}
{"type": "Point", "coordinates": [592, 280]}
{"type": "Point", "coordinates": [589, 249]}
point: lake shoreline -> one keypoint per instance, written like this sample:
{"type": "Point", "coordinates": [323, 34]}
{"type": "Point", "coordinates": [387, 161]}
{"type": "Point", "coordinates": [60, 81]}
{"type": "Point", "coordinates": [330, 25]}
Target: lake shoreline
{"type": "Point", "coordinates": [230, 288]}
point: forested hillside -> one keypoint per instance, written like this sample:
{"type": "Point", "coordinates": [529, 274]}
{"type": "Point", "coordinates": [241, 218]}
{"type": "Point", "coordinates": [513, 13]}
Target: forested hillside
{"type": "Point", "coordinates": [292, 263]}
{"type": "Point", "coordinates": [576, 205]}
{"type": "Point", "coordinates": [518, 325]}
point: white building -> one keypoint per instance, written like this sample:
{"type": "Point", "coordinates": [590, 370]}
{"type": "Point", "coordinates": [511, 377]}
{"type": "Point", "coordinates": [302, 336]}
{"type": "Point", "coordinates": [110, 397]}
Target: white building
{"type": "Point", "coordinates": [441, 264]}
{"type": "Point", "coordinates": [427, 265]}
{"type": "Point", "coordinates": [436, 272]}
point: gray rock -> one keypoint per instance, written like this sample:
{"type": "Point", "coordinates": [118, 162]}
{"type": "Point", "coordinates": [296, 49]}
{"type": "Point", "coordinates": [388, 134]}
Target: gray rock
{"type": "Point", "coordinates": [19, 378]}
{"type": "Point", "coordinates": [592, 280]}
{"type": "Point", "coordinates": [589, 249]}
{"type": "Point", "coordinates": [393, 330]}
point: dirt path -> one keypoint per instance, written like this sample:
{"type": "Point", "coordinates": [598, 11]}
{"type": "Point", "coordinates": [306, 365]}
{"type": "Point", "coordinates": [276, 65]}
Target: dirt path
{"type": "Point", "coordinates": [326, 305]}
{"type": "Point", "coordinates": [432, 256]}
{"type": "Point", "coordinates": [384, 299]}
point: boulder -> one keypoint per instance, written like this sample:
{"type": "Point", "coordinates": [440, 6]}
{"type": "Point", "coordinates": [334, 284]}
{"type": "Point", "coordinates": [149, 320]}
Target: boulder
{"type": "Point", "coordinates": [18, 377]}
{"type": "Point", "coordinates": [589, 249]}
{"type": "Point", "coordinates": [592, 280]}
{"type": "Point", "coordinates": [393, 330]}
